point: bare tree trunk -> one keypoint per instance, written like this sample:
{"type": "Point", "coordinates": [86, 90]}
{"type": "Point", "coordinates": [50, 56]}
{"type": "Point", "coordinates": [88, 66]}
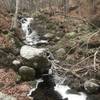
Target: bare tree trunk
{"type": "Point", "coordinates": [12, 5]}
{"type": "Point", "coordinates": [66, 7]}
{"type": "Point", "coordinates": [91, 6]}
{"type": "Point", "coordinates": [16, 13]}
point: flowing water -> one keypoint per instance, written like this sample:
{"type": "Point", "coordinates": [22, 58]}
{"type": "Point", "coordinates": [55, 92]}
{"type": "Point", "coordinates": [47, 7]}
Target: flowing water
{"type": "Point", "coordinates": [31, 36]}
{"type": "Point", "coordinates": [32, 39]}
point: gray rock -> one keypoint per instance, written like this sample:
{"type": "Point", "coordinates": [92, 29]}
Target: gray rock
{"type": "Point", "coordinates": [6, 97]}
{"type": "Point", "coordinates": [40, 62]}
{"type": "Point", "coordinates": [26, 73]}
{"type": "Point", "coordinates": [29, 52]}
{"type": "Point", "coordinates": [56, 39]}
{"type": "Point", "coordinates": [92, 85]}
{"type": "Point", "coordinates": [49, 36]}
{"type": "Point", "coordinates": [16, 62]}
{"type": "Point", "coordinates": [60, 53]}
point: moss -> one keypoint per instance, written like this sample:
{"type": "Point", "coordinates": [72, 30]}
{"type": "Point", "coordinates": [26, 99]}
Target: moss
{"type": "Point", "coordinates": [71, 35]}
{"type": "Point", "coordinates": [32, 83]}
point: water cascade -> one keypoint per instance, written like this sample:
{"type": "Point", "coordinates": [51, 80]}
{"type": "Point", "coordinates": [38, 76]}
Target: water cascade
{"type": "Point", "coordinates": [57, 91]}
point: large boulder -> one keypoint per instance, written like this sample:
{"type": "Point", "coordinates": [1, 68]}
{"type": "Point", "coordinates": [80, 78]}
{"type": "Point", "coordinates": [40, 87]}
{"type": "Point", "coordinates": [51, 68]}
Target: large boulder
{"type": "Point", "coordinates": [29, 52]}
{"type": "Point", "coordinates": [35, 58]}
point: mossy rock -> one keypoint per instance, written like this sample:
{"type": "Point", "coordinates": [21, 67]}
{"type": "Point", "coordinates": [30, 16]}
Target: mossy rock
{"type": "Point", "coordinates": [71, 35]}
{"type": "Point", "coordinates": [26, 73]}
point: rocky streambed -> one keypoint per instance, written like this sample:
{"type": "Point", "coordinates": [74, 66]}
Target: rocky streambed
{"type": "Point", "coordinates": [33, 58]}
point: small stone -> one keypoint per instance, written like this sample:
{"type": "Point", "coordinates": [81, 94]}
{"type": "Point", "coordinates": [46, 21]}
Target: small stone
{"type": "Point", "coordinates": [26, 73]}
{"type": "Point", "coordinates": [71, 34]}
{"type": "Point", "coordinates": [60, 53]}
{"type": "Point", "coordinates": [56, 39]}
{"type": "Point", "coordinates": [16, 62]}
{"type": "Point", "coordinates": [49, 36]}
{"type": "Point", "coordinates": [92, 85]}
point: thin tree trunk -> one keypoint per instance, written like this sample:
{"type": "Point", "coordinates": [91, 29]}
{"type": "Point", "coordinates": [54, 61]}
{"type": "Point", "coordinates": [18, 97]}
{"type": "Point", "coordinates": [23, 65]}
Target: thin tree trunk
{"type": "Point", "coordinates": [16, 13]}
{"type": "Point", "coordinates": [66, 7]}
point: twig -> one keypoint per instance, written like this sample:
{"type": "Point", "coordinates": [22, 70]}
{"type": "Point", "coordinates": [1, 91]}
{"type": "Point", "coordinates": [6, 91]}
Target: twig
{"type": "Point", "coordinates": [82, 61]}
{"type": "Point", "coordinates": [58, 67]}
{"type": "Point", "coordinates": [95, 54]}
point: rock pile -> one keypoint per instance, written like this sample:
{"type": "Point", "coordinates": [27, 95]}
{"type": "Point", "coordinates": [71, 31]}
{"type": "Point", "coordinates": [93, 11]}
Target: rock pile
{"type": "Point", "coordinates": [33, 61]}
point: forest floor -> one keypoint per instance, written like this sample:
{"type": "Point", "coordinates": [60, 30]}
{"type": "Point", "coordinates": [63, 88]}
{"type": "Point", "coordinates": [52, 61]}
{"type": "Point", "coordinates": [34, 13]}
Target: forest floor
{"type": "Point", "coordinates": [7, 82]}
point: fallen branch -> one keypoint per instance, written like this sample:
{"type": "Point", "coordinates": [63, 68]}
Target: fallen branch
{"type": "Point", "coordinates": [82, 61]}
{"type": "Point", "coordinates": [95, 54]}
{"type": "Point", "coordinates": [57, 67]}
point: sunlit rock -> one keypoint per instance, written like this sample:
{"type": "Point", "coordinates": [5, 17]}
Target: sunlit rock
{"type": "Point", "coordinates": [49, 36]}
{"type": "Point", "coordinates": [29, 52]}
{"type": "Point", "coordinates": [16, 62]}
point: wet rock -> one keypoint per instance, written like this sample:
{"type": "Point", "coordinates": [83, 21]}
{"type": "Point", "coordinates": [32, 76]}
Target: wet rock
{"type": "Point", "coordinates": [41, 65]}
{"type": "Point", "coordinates": [93, 97]}
{"type": "Point", "coordinates": [26, 73]}
{"type": "Point", "coordinates": [72, 91]}
{"type": "Point", "coordinates": [29, 52]}
{"type": "Point", "coordinates": [60, 53]}
{"type": "Point", "coordinates": [6, 97]}
{"type": "Point", "coordinates": [92, 86]}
